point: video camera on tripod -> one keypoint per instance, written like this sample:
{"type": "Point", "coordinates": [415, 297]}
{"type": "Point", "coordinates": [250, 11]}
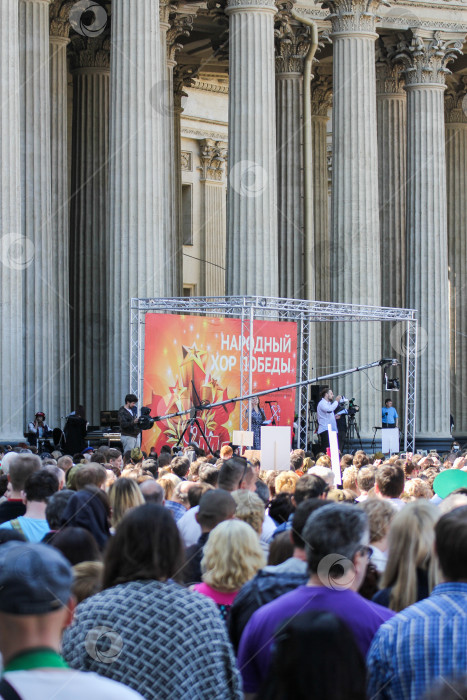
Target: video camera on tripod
{"type": "Point", "coordinates": [350, 405]}
{"type": "Point", "coordinates": [146, 421]}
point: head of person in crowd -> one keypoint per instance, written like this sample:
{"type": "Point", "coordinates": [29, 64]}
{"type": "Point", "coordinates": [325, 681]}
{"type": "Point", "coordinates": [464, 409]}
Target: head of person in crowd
{"type": "Point", "coordinates": [380, 515]}
{"type": "Point", "coordinates": [280, 548]}
{"type": "Point", "coordinates": [429, 475]}
{"type": "Point", "coordinates": [236, 474]}
{"type": "Point", "coordinates": [325, 638]}
{"type": "Point", "coordinates": [296, 461]}
{"type": "Point", "coordinates": [36, 603]}
{"type": "Point", "coordinates": [196, 492]}
{"type": "Point", "coordinates": [226, 452]}
{"type": "Point", "coordinates": [250, 508]}
{"type": "Point", "coordinates": [209, 474]}
{"type": "Point", "coordinates": [360, 459]}
{"type": "Point", "coordinates": [286, 482]}
{"type": "Point", "coordinates": [307, 464]}
{"type": "Point", "coordinates": [270, 481]}
{"type": "Point", "coordinates": [168, 483]}
{"type": "Point", "coordinates": [152, 492]}
{"type": "Point", "coordinates": [38, 488]}
{"type": "Point", "coordinates": [411, 571]}
{"type": "Point", "coordinates": [87, 579]}
{"type": "Point", "coordinates": [310, 486]}
{"type": "Point", "coordinates": [346, 461]}
{"type": "Point", "coordinates": [337, 529]}
{"type": "Point", "coordinates": [415, 489]}
{"type": "Point", "coordinates": [8, 458]}
{"type": "Point", "coordinates": [454, 500]}
{"type": "Point", "coordinates": [164, 460]}
{"type": "Point", "coordinates": [323, 461]}
{"type": "Point", "coordinates": [124, 494]}
{"type": "Point", "coordinates": [365, 480]}
{"type": "Point", "coordinates": [215, 507]}
{"type": "Point", "coordinates": [90, 508]}
{"type": "Point", "coordinates": [76, 544]}
{"type": "Point", "coordinates": [181, 493]}
{"type": "Point", "coordinates": [146, 546]}
{"type": "Point", "coordinates": [232, 556]}
{"type": "Point", "coordinates": [56, 507]}
{"type": "Point", "coordinates": [349, 479]}
{"type": "Point", "coordinates": [324, 472]}
{"type": "Point", "coordinates": [281, 507]}
{"type": "Point", "coordinates": [92, 474]}
{"type": "Point", "coordinates": [341, 496]}
{"type": "Point", "coordinates": [115, 458]}
{"type": "Point", "coordinates": [301, 515]}
{"type": "Point", "coordinates": [59, 473]}
{"type": "Point", "coordinates": [65, 463]}
{"type": "Point", "coordinates": [451, 545]}
{"type": "Point", "coordinates": [389, 481]}
{"type": "Point", "coordinates": [21, 467]}
{"type": "Point", "coordinates": [180, 466]}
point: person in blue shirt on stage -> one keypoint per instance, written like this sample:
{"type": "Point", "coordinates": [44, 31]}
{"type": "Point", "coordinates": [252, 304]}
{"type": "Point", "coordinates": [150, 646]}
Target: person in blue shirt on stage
{"type": "Point", "coordinates": [389, 415]}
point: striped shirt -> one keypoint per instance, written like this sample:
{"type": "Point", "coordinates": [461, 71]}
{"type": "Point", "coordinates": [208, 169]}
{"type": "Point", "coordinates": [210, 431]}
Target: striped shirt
{"type": "Point", "coordinates": [423, 644]}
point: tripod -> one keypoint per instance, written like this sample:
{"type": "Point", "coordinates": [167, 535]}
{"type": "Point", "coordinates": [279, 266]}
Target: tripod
{"type": "Point", "coordinates": [193, 420]}
{"type": "Point", "coordinates": [352, 430]}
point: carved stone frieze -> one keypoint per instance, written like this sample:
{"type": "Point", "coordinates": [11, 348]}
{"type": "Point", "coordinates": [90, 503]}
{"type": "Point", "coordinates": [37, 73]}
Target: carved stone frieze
{"type": "Point", "coordinates": [424, 56]}
{"type": "Point", "coordinates": [213, 156]}
{"type": "Point", "coordinates": [456, 100]}
{"type": "Point", "coordinates": [292, 40]}
{"type": "Point", "coordinates": [186, 158]}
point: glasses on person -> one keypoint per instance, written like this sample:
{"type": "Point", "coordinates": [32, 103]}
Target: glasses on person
{"type": "Point", "coordinates": [365, 550]}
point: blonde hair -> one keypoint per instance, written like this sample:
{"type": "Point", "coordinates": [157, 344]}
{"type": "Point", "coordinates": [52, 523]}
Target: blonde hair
{"type": "Point", "coordinates": [349, 478]}
{"type": "Point", "coordinates": [307, 464]}
{"type": "Point", "coordinates": [87, 579]}
{"type": "Point", "coordinates": [380, 513]}
{"type": "Point", "coordinates": [232, 556]}
{"type": "Point", "coordinates": [168, 483]}
{"type": "Point", "coordinates": [418, 488]}
{"type": "Point", "coordinates": [132, 472]}
{"type": "Point", "coordinates": [342, 496]}
{"type": "Point", "coordinates": [124, 494]}
{"type": "Point", "coordinates": [411, 540]}
{"type": "Point", "coordinates": [323, 461]}
{"type": "Point", "coordinates": [286, 482]}
{"type": "Point", "coordinates": [250, 509]}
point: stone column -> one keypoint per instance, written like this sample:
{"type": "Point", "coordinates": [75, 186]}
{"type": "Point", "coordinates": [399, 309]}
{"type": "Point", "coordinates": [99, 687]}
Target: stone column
{"type": "Point", "coordinates": [60, 302]}
{"type": "Point", "coordinates": [321, 101]}
{"type": "Point", "coordinates": [355, 253]}
{"type": "Point", "coordinates": [391, 108]}
{"type": "Point", "coordinates": [213, 156]}
{"type": "Point", "coordinates": [252, 244]}
{"type": "Point", "coordinates": [292, 43]}
{"type": "Point", "coordinates": [16, 252]}
{"type": "Point", "coordinates": [89, 245]}
{"type": "Point", "coordinates": [456, 181]}
{"type": "Point", "coordinates": [36, 179]}
{"type": "Point", "coordinates": [136, 188]}
{"type": "Point", "coordinates": [425, 57]}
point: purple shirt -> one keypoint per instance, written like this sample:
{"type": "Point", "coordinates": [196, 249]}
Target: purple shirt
{"type": "Point", "coordinates": [362, 616]}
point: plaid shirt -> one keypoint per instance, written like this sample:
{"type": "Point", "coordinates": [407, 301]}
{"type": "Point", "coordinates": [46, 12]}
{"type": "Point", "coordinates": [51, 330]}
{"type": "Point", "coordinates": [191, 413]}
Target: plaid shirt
{"type": "Point", "coordinates": [424, 644]}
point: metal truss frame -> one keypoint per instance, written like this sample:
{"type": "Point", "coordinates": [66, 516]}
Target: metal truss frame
{"type": "Point", "coordinates": [304, 313]}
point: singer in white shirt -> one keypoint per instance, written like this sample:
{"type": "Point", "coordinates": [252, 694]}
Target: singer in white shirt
{"type": "Point", "coordinates": [325, 411]}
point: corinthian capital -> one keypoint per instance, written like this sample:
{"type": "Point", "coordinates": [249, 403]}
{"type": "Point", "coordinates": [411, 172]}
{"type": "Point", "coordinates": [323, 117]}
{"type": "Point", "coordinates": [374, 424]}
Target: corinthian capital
{"type": "Point", "coordinates": [456, 100]}
{"type": "Point", "coordinates": [425, 55]}
{"type": "Point", "coordinates": [90, 53]}
{"type": "Point", "coordinates": [59, 18]}
{"type": "Point", "coordinates": [213, 156]}
{"type": "Point", "coordinates": [180, 25]}
{"type": "Point", "coordinates": [292, 39]}
{"type": "Point", "coordinates": [321, 94]}
{"type": "Point", "coordinates": [389, 78]}
{"type": "Point", "coordinates": [353, 16]}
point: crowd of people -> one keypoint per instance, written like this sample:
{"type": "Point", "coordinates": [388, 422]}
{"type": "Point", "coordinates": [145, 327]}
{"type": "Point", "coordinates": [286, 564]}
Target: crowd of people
{"type": "Point", "coordinates": [186, 576]}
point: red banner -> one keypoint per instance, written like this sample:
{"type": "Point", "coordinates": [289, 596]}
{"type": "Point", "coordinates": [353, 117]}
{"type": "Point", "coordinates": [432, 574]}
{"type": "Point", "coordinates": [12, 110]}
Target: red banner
{"type": "Point", "coordinates": [188, 359]}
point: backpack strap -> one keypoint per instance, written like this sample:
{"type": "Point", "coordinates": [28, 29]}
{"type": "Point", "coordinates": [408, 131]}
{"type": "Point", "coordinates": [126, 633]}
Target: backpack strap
{"type": "Point", "coordinates": [16, 525]}
{"type": "Point", "coordinates": [7, 692]}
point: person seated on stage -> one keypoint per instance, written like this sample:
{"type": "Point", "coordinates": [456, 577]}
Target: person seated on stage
{"type": "Point", "coordinates": [38, 429]}
{"type": "Point", "coordinates": [389, 416]}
